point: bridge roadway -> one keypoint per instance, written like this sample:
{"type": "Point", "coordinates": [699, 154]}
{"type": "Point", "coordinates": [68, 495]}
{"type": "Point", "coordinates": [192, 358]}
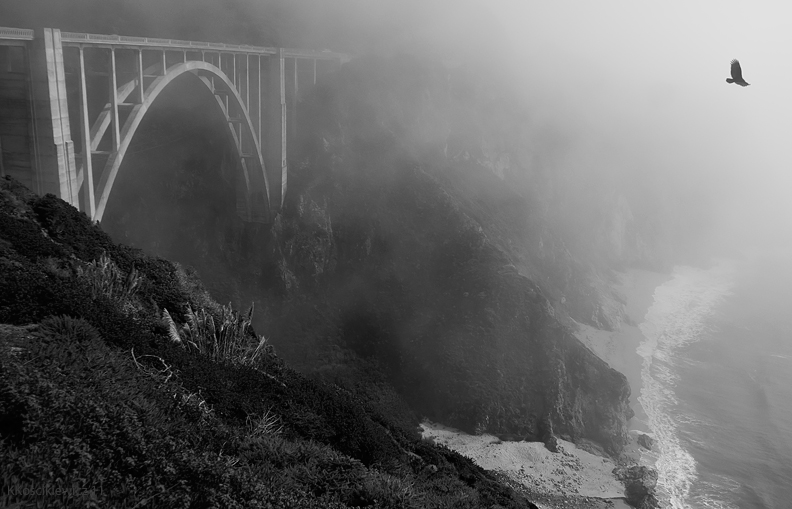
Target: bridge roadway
{"type": "Point", "coordinates": [256, 92]}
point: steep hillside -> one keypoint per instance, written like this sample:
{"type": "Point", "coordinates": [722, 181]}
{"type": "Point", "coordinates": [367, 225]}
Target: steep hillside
{"type": "Point", "coordinates": [122, 383]}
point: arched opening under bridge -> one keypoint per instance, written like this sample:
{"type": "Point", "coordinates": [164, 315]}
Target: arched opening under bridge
{"type": "Point", "coordinates": [252, 183]}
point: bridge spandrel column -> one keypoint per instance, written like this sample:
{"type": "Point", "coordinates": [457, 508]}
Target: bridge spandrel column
{"type": "Point", "coordinates": [275, 157]}
{"type": "Point", "coordinates": [56, 171]}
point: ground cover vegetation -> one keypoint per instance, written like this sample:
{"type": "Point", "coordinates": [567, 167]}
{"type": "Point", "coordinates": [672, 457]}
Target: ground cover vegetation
{"type": "Point", "coordinates": [105, 403]}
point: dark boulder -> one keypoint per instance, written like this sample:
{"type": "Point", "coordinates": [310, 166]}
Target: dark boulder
{"type": "Point", "coordinates": [646, 442]}
{"type": "Point", "coordinates": [551, 443]}
{"type": "Point", "coordinates": [639, 485]}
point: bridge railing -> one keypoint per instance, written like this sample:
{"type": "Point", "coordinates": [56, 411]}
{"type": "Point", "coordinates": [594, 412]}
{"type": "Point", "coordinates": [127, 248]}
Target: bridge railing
{"type": "Point", "coordinates": [20, 34]}
{"type": "Point", "coordinates": [70, 38]}
{"type": "Point", "coordinates": [125, 40]}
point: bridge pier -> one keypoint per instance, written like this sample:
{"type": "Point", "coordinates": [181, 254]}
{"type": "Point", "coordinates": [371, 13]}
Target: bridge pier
{"type": "Point", "coordinates": [275, 158]}
{"type": "Point", "coordinates": [55, 169]}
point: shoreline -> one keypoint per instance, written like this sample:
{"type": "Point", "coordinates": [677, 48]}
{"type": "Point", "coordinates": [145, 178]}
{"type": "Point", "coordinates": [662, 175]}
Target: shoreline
{"type": "Point", "coordinates": [549, 480]}
{"type": "Point", "coordinates": [554, 480]}
{"type": "Point", "coordinates": [619, 348]}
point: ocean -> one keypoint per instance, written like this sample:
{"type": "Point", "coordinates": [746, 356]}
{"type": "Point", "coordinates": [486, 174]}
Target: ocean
{"type": "Point", "coordinates": [717, 384]}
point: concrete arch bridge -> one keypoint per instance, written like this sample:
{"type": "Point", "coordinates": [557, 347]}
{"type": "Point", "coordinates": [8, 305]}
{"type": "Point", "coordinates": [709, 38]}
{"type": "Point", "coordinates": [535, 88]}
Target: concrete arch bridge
{"type": "Point", "coordinates": [43, 71]}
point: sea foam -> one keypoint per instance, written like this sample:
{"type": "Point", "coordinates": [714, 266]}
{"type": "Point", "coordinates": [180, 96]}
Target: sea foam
{"type": "Point", "coordinates": [677, 317]}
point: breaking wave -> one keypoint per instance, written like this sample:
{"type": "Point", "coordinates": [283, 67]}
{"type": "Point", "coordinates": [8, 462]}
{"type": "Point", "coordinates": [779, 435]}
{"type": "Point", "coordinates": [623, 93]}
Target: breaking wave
{"type": "Point", "coordinates": [678, 316]}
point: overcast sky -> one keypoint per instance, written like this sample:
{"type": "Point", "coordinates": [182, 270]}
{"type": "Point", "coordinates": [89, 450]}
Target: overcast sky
{"type": "Point", "coordinates": [641, 82]}
{"type": "Point", "coordinates": [650, 76]}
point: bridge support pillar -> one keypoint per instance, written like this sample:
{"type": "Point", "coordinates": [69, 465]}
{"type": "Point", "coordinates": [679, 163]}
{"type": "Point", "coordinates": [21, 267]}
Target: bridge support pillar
{"type": "Point", "coordinates": [56, 171]}
{"type": "Point", "coordinates": [275, 156]}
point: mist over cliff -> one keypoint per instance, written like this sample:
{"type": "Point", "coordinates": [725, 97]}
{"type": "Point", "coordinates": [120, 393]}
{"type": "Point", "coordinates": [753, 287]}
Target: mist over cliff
{"type": "Point", "coordinates": [442, 226]}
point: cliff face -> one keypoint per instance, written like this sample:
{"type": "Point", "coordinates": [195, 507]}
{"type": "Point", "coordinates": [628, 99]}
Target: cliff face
{"type": "Point", "coordinates": [426, 244]}
{"type": "Point", "coordinates": [407, 239]}
{"type": "Point", "coordinates": [402, 278]}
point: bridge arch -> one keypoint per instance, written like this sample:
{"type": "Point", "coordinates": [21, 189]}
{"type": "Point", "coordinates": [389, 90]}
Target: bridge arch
{"type": "Point", "coordinates": [254, 185]}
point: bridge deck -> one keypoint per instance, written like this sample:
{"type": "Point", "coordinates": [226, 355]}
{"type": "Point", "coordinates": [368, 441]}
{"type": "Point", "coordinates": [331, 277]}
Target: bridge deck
{"type": "Point", "coordinates": [76, 38]}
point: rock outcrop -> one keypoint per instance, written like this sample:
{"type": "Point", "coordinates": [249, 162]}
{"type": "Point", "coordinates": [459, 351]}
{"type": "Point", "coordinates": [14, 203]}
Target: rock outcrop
{"type": "Point", "coordinates": [639, 486]}
{"type": "Point", "coordinates": [646, 442]}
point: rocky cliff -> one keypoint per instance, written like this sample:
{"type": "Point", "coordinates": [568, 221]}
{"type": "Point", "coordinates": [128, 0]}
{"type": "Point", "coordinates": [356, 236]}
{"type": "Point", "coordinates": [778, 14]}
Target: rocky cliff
{"type": "Point", "coordinates": [429, 256]}
{"type": "Point", "coordinates": [404, 279]}
{"type": "Point", "coordinates": [422, 246]}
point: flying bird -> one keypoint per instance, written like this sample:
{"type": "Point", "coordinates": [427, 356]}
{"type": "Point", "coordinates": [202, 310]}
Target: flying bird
{"type": "Point", "coordinates": [736, 72]}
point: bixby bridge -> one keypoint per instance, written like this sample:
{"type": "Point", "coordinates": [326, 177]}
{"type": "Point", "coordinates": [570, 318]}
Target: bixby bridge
{"type": "Point", "coordinates": [71, 103]}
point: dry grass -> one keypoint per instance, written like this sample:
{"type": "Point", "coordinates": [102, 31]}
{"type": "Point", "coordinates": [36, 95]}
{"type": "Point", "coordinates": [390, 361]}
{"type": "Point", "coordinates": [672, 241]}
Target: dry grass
{"type": "Point", "coordinates": [225, 339]}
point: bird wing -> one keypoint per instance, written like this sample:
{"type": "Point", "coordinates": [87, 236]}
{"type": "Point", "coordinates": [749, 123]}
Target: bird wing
{"type": "Point", "coordinates": [736, 71]}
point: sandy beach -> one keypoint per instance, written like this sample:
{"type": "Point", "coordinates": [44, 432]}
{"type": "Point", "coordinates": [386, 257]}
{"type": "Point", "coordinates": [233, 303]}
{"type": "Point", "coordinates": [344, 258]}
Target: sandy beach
{"type": "Point", "coordinates": [550, 479]}
{"type": "Point", "coordinates": [572, 477]}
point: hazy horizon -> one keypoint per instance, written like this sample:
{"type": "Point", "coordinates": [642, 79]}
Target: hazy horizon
{"type": "Point", "coordinates": [639, 89]}
{"type": "Point", "coordinates": [651, 77]}
{"type": "Point", "coordinates": [643, 87]}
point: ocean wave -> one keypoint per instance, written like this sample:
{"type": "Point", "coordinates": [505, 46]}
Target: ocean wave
{"type": "Point", "coordinates": [677, 317]}
{"type": "Point", "coordinates": [716, 495]}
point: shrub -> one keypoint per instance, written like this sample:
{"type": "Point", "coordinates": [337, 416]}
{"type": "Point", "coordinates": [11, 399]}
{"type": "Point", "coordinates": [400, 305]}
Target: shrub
{"type": "Point", "coordinates": [26, 238]}
{"type": "Point", "coordinates": [104, 278]}
{"type": "Point", "coordinates": [266, 424]}
{"type": "Point", "coordinates": [391, 492]}
{"type": "Point", "coordinates": [69, 329]}
{"type": "Point", "coordinates": [226, 339]}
